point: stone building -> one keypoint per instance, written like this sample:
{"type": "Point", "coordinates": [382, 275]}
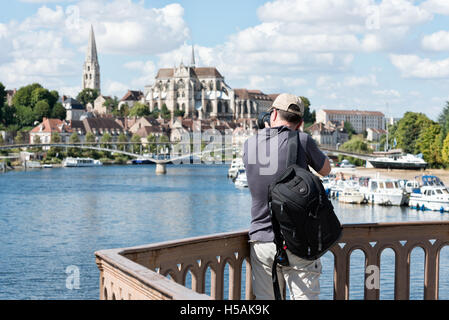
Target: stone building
{"type": "Point", "coordinates": [360, 120]}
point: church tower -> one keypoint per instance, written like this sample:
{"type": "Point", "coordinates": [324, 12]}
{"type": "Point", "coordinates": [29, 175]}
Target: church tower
{"type": "Point", "coordinates": [91, 71]}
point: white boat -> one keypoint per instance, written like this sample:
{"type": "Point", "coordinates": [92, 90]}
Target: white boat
{"type": "Point", "coordinates": [81, 162]}
{"type": "Point", "coordinates": [236, 165]}
{"type": "Point", "coordinates": [47, 166]}
{"type": "Point", "coordinates": [384, 192]}
{"type": "Point", "coordinates": [351, 195]}
{"type": "Point", "coordinates": [241, 180]}
{"type": "Point", "coordinates": [346, 164]}
{"type": "Point", "coordinates": [435, 198]}
{"type": "Point", "coordinates": [407, 161]}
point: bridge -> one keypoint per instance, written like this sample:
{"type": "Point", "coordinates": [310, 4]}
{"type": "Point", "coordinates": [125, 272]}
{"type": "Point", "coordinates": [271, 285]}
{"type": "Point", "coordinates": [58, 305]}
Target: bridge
{"type": "Point", "coordinates": [361, 156]}
{"type": "Point", "coordinates": [100, 146]}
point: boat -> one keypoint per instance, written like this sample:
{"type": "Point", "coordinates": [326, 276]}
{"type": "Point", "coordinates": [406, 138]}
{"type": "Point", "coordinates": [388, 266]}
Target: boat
{"type": "Point", "coordinates": [236, 165]}
{"type": "Point", "coordinates": [47, 166]}
{"type": "Point", "coordinates": [351, 195]}
{"type": "Point", "coordinates": [81, 162]}
{"type": "Point", "coordinates": [241, 180]}
{"type": "Point", "coordinates": [435, 198]}
{"type": "Point", "coordinates": [141, 161]}
{"type": "Point", "coordinates": [407, 161]}
{"type": "Point", "coordinates": [385, 192]}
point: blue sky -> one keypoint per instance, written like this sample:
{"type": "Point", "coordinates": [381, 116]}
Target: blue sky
{"type": "Point", "coordinates": [384, 55]}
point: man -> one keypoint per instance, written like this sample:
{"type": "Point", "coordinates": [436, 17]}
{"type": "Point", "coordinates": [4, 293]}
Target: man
{"type": "Point", "coordinates": [265, 159]}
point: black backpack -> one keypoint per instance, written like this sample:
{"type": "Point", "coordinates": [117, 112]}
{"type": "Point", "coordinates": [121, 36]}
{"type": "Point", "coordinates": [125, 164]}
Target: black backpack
{"type": "Point", "coordinates": [303, 218]}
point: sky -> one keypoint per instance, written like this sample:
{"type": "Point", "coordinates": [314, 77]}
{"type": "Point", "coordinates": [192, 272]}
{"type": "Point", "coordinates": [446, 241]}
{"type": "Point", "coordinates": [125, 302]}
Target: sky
{"type": "Point", "coordinates": [382, 55]}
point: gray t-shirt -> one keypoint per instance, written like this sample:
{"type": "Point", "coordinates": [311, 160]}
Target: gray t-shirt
{"type": "Point", "coordinates": [265, 159]}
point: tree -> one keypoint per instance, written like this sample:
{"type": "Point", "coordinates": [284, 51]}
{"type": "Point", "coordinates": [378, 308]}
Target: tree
{"type": "Point", "coordinates": [349, 129]}
{"type": "Point", "coordinates": [443, 120]}
{"type": "Point", "coordinates": [23, 96]}
{"type": "Point", "coordinates": [90, 137]}
{"type": "Point", "coordinates": [74, 139]}
{"type": "Point", "coordinates": [87, 96]}
{"type": "Point", "coordinates": [19, 138]}
{"type": "Point", "coordinates": [122, 138]}
{"type": "Point", "coordinates": [2, 101]}
{"type": "Point", "coordinates": [151, 139]}
{"type": "Point", "coordinates": [139, 110]}
{"type": "Point", "coordinates": [427, 144]}
{"type": "Point", "coordinates": [136, 140]}
{"type": "Point", "coordinates": [445, 151]}
{"type": "Point", "coordinates": [41, 110]}
{"type": "Point", "coordinates": [408, 129]}
{"type": "Point", "coordinates": [25, 116]}
{"type": "Point", "coordinates": [42, 94]}
{"type": "Point", "coordinates": [309, 117]}
{"type": "Point", "coordinates": [165, 113]}
{"type": "Point", "coordinates": [58, 112]}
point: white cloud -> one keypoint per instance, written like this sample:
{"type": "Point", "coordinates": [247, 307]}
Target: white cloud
{"type": "Point", "coordinates": [412, 66]}
{"type": "Point", "coordinates": [436, 6]}
{"type": "Point", "coordinates": [354, 81]}
{"type": "Point", "coordinates": [387, 93]}
{"type": "Point", "coordinates": [438, 41]}
{"type": "Point", "coordinates": [115, 88]}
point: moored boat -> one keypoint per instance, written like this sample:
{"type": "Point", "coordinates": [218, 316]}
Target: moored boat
{"type": "Point", "coordinates": [81, 162]}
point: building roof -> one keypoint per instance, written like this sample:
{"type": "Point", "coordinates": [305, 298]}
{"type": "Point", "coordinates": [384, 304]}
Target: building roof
{"type": "Point", "coordinates": [52, 126]}
{"type": "Point", "coordinates": [246, 94]}
{"type": "Point", "coordinates": [132, 95]}
{"type": "Point", "coordinates": [71, 103]}
{"type": "Point", "coordinates": [203, 72]}
{"type": "Point", "coordinates": [101, 123]}
{"type": "Point", "coordinates": [354, 112]}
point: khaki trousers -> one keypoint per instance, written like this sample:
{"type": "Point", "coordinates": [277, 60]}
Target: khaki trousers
{"type": "Point", "coordinates": [301, 276]}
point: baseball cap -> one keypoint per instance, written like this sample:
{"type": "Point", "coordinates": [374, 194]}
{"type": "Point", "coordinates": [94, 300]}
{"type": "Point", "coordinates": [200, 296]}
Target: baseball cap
{"type": "Point", "coordinates": [285, 100]}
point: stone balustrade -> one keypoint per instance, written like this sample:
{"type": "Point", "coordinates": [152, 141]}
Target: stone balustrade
{"type": "Point", "coordinates": [160, 271]}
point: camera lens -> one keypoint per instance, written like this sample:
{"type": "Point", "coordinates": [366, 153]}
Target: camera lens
{"type": "Point", "coordinates": [262, 118]}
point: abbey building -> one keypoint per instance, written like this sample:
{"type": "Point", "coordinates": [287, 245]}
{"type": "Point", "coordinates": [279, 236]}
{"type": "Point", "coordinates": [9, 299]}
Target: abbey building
{"type": "Point", "coordinates": [201, 92]}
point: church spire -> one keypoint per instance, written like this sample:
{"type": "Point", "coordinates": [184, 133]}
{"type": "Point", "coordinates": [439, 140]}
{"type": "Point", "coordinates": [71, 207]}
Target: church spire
{"type": "Point", "coordinates": [91, 55]}
{"type": "Point", "coordinates": [192, 61]}
{"type": "Point", "coordinates": [91, 69]}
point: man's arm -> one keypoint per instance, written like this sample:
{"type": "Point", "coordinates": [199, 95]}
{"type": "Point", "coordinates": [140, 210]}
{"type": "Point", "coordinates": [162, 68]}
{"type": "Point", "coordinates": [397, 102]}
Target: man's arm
{"type": "Point", "coordinates": [326, 169]}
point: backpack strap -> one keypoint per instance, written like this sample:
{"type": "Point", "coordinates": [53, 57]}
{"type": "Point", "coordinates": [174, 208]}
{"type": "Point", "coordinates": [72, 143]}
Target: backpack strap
{"type": "Point", "coordinates": [292, 147]}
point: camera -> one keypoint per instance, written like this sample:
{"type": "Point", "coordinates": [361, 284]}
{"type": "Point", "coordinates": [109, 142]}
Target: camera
{"type": "Point", "coordinates": [262, 118]}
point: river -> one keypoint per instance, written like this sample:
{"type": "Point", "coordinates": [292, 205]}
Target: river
{"type": "Point", "coordinates": [52, 219]}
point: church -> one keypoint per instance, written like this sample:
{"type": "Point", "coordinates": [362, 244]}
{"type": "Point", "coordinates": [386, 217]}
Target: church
{"type": "Point", "coordinates": [202, 93]}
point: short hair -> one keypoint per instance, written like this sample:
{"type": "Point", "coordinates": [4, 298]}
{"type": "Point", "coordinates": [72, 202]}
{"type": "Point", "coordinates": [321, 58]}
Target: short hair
{"type": "Point", "coordinates": [289, 116]}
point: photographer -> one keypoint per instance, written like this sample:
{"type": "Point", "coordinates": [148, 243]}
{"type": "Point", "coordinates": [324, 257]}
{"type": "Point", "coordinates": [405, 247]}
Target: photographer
{"type": "Point", "coordinates": [265, 157]}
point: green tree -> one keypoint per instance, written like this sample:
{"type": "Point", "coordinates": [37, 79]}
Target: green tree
{"type": "Point", "coordinates": [139, 110]}
{"type": "Point", "coordinates": [136, 139]}
{"type": "Point", "coordinates": [349, 129]}
{"type": "Point", "coordinates": [445, 151]}
{"type": "Point", "coordinates": [443, 120]}
{"type": "Point", "coordinates": [90, 137]}
{"type": "Point", "coordinates": [2, 101]}
{"type": "Point", "coordinates": [24, 116]}
{"type": "Point", "coordinates": [427, 144]}
{"type": "Point", "coordinates": [122, 138]}
{"type": "Point", "coordinates": [20, 138]}
{"type": "Point", "coordinates": [151, 139]}
{"type": "Point", "coordinates": [165, 113]}
{"type": "Point", "coordinates": [408, 129]}
{"type": "Point", "coordinates": [356, 144]}
{"type": "Point", "coordinates": [42, 94]}
{"type": "Point", "coordinates": [58, 111]}
{"type": "Point", "coordinates": [74, 139]}
{"type": "Point", "coordinates": [309, 117]}
{"type": "Point", "coordinates": [23, 96]}
{"type": "Point", "coordinates": [87, 96]}
{"type": "Point", "coordinates": [41, 110]}
{"type": "Point", "coordinates": [2, 141]}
